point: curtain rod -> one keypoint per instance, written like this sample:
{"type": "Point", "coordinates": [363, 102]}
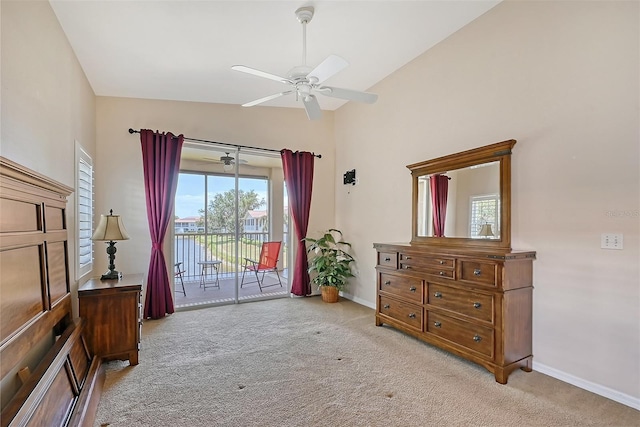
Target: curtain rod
{"type": "Point", "coordinates": [229, 145]}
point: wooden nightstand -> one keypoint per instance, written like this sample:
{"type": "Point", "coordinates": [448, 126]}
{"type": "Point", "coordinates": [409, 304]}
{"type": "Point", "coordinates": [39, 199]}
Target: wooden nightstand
{"type": "Point", "coordinates": [112, 311]}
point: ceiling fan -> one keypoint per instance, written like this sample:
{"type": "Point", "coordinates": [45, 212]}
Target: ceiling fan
{"type": "Point", "coordinates": [306, 82]}
{"type": "Point", "coordinates": [225, 160]}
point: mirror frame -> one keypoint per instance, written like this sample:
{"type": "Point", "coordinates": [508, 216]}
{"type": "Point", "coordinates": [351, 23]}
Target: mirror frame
{"type": "Point", "coordinates": [500, 151]}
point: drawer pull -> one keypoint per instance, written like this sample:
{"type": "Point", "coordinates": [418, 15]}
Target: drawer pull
{"type": "Point", "coordinates": [477, 338]}
{"type": "Point", "coordinates": [387, 259]}
{"type": "Point", "coordinates": [407, 267]}
{"type": "Point", "coordinates": [476, 272]}
{"type": "Point", "coordinates": [437, 324]}
{"type": "Point", "coordinates": [388, 282]}
{"type": "Point", "coordinates": [387, 306]}
{"type": "Point", "coordinates": [437, 295]}
{"type": "Point", "coordinates": [441, 262]}
{"type": "Point", "coordinates": [477, 305]}
{"type": "Point", "coordinates": [412, 315]}
{"type": "Point", "coordinates": [412, 289]}
{"type": "Point", "coordinates": [407, 257]}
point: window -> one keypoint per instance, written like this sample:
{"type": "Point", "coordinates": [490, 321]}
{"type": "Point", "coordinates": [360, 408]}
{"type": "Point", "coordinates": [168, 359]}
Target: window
{"type": "Point", "coordinates": [84, 212]}
{"type": "Point", "coordinates": [484, 210]}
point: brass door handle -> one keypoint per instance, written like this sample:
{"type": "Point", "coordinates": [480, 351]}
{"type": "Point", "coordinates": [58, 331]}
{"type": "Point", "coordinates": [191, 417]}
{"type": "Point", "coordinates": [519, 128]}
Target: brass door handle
{"type": "Point", "coordinates": [477, 272]}
{"type": "Point", "coordinates": [477, 338]}
{"type": "Point", "coordinates": [412, 289]}
{"type": "Point", "coordinates": [412, 315]}
{"type": "Point", "coordinates": [437, 295]}
{"type": "Point", "coordinates": [442, 273]}
{"type": "Point", "coordinates": [437, 324]}
{"type": "Point", "coordinates": [477, 305]}
{"type": "Point", "coordinates": [441, 262]}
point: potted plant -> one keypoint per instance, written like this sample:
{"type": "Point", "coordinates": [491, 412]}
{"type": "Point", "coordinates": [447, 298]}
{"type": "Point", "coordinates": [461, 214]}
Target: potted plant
{"type": "Point", "coordinates": [330, 262]}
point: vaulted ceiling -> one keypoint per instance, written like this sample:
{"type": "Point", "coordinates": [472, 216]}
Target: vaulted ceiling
{"type": "Point", "coordinates": [184, 49]}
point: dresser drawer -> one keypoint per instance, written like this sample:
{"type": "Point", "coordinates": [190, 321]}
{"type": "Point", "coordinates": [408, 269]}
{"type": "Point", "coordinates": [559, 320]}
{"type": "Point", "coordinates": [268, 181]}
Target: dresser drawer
{"type": "Point", "coordinates": [409, 314]}
{"type": "Point", "coordinates": [472, 304]}
{"type": "Point", "coordinates": [432, 271]}
{"type": "Point", "coordinates": [408, 288]}
{"type": "Point", "coordinates": [427, 261]}
{"type": "Point", "coordinates": [466, 334]}
{"type": "Point", "coordinates": [483, 273]}
{"type": "Point", "coordinates": [388, 259]}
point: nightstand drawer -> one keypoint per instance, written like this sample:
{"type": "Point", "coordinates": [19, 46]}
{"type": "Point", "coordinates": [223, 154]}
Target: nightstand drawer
{"type": "Point", "coordinates": [408, 288]}
{"type": "Point", "coordinates": [409, 314]}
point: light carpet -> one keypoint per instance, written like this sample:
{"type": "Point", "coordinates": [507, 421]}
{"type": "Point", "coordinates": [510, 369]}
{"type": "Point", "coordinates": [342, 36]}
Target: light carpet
{"type": "Point", "coordinates": [302, 362]}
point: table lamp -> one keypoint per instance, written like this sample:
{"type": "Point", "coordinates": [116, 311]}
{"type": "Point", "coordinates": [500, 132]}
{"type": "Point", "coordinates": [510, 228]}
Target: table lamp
{"type": "Point", "coordinates": [109, 230]}
{"type": "Point", "coordinates": [485, 231]}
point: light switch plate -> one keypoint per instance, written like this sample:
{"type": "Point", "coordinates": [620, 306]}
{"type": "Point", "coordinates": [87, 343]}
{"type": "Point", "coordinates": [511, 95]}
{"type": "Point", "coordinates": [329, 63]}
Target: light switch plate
{"type": "Point", "coordinates": [611, 241]}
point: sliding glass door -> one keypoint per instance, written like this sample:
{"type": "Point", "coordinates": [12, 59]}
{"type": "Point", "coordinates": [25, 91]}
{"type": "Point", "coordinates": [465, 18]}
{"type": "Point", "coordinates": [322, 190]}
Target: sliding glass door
{"type": "Point", "coordinates": [229, 209]}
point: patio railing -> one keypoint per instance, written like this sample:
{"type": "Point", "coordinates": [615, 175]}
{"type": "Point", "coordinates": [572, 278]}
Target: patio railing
{"type": "Point", "coordinates": [191, 248]}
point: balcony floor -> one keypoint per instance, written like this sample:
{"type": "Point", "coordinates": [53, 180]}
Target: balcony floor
{"type": "Point", "coordinates": [197, 296]}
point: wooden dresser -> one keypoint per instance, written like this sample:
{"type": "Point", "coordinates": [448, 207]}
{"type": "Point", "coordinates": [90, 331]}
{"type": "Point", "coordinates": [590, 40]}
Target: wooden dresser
{"type": "Point", "coordinates": [112, 310]}
{"type": "Point", "coordinates": [458, 284]}
{"type": "Point", "coordinates": [474, 304]}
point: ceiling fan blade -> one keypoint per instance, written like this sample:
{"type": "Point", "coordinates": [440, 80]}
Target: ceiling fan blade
{"type": "Point", "coordinates": [312, 107]}
{"type": "Point", "coordinates": [327, 68]}
{"type": "Point", "coordinates": [266, 98]}
{"type": "Point", "coordinates": [259, 73]}
{"type": "Point", "coordinates": [351, 95]}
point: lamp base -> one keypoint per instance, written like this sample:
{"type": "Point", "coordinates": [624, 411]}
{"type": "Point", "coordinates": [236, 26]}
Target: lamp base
{"type": "Point", "coordinates": [111, 275]}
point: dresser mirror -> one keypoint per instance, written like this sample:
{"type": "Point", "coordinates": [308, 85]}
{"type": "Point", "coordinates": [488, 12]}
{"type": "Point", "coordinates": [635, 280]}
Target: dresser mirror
{"type": "Point", "coordinates": [464, 199]}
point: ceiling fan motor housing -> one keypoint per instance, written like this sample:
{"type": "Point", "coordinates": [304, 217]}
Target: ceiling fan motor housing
{"type": "Point", "coordinates": [304, 14]}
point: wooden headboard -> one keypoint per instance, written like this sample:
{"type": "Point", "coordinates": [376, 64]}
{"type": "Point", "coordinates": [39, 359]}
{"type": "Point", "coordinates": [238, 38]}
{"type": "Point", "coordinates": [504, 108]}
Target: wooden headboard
{"type": "Point", "coordinates": [61, 385]}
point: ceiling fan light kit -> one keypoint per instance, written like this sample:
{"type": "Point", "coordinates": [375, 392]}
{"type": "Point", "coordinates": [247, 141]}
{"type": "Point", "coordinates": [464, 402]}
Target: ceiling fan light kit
{"type": "Point", "coordinates": [306, 82]}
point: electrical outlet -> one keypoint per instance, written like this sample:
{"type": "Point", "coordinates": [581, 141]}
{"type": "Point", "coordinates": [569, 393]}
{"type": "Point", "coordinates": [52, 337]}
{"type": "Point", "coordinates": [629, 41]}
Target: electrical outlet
{"type": "Point", "coordinates": [611, 241]}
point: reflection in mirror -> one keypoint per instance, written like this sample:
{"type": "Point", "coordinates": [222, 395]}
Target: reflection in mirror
{"type": "Point", "coordinates": [460, 203]}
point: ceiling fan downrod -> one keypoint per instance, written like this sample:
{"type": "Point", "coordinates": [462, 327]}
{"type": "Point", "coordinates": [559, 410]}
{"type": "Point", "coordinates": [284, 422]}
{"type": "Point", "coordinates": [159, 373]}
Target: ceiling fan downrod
{"type": "Point", "coordinates": [304, 15]}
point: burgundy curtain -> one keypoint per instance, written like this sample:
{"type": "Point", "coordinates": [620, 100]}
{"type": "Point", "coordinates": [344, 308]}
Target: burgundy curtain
{"type": "Point", "coordinates": [439, 185]}
{"type": "Point", "coordinates": [161, 161]}
{"type": "Point", "coordinates": [298, 175]}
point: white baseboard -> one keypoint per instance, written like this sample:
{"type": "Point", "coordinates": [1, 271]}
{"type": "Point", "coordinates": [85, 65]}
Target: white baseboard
{"type": "Point", "coordinates": [601, 390]}
{"type": "Point", "coordinates": [359, 301]}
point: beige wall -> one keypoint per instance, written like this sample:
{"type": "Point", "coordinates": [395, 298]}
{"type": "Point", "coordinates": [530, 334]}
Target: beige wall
{"type": "Point", "coordinates": [119, 179]}
{"type": "Point", "coordinates": [562, 79]}
{"type": "Point", "coordinates": [47, 102]}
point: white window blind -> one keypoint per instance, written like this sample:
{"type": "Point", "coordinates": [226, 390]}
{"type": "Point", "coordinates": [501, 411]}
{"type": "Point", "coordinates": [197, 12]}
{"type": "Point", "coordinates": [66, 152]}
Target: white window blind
{"type": "Point", "coordinates": [84, 212]}
{"type": "Point", "coordinates": [484, 210]}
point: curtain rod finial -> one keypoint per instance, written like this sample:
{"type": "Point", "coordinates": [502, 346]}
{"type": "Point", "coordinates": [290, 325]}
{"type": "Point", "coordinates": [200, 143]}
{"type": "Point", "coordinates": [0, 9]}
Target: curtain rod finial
{"type": "Point", "coordinates": [131, 130]}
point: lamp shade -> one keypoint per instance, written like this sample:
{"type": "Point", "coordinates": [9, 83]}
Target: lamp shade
{"type": "Point", "coordinates": [485, 230]}
{"type": "Point", "coordinates": [109, 228]}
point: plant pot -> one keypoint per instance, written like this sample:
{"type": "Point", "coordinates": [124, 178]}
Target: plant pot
{"type": "Point", "coordinates": [329, 293]}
